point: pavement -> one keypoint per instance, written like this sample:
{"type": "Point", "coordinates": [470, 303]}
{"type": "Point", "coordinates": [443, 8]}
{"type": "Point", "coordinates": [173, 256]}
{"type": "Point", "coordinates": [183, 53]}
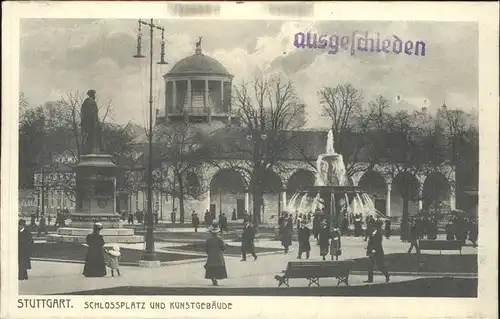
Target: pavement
{"type": "Point", "coordinates": [48, 277]}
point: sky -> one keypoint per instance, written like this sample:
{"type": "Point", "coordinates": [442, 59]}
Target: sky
{"type": "Point", "coordinates": [58, 56]}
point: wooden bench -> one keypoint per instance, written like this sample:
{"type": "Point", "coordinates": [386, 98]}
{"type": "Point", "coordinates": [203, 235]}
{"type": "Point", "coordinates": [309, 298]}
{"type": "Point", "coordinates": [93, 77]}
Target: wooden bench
{"type": "Point", "coordinates": [440, 245]}
{"type": "Point", "coordinates": [314, 270]}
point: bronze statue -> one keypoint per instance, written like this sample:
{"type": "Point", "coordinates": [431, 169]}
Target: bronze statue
{"type": "Point", "coordinates": [198, 44]}
{"type": "Point", "coordinates": [91, 129]}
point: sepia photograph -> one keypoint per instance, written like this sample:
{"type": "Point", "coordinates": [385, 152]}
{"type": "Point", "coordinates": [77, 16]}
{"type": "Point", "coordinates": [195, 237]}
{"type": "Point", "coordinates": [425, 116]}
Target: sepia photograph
{"type": "Point", "coordinates": [253, 157]}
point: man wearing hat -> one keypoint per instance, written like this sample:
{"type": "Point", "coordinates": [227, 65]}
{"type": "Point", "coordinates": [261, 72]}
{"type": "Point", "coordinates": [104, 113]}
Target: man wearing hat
{"type": "Point", "coordinates": [24, 247]}
{"type": "Point", "coordinates": [375, 251]}
{"type": "Point", "coordinates": [324, 239]}
{"type": "Point", "coordinates": [247, 238]}
{"type": "Point", "coordinates": [303, 235]}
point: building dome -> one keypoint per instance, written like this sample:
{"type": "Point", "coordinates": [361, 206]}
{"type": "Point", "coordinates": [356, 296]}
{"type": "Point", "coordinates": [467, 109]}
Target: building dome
{"type": "Point", "coordinates": [198, 63]}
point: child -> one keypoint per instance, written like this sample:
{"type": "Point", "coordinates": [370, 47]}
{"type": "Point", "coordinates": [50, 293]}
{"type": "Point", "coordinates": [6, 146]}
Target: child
{"type": "Point", "coordinates": [114, 259]}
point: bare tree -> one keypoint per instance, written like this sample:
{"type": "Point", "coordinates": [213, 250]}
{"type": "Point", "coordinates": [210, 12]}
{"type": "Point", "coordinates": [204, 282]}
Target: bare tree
{"type": "Point", "coordinates": [269, 110]}
{"type": "Point", "coordinates": [349, 122]}
{"type": "Point", "coordinates": [181, 153]}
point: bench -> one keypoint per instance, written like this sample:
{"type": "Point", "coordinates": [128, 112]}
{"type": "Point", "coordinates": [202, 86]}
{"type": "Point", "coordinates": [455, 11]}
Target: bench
{"type": "Point", "coordinates": [314, 270]}
{"type": "Point", "coordinates": [440, 245]}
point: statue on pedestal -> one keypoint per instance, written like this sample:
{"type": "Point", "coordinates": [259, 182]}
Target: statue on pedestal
{"type": "Point", "coordinates": [91, 128]}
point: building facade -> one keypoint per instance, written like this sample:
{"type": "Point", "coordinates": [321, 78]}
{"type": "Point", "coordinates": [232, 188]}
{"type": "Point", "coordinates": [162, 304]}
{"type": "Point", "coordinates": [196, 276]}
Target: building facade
{"type": "Point", "coordinates": [198, 91]}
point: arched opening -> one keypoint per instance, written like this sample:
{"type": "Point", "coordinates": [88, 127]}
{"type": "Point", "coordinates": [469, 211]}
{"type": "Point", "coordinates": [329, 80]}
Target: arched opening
{"type": "Point", "coordinates": [272, 188]}
{"type": "Point", "coordinates": [404, 200]}
{"type": "Point", "coordinates": [298, 179]}
{"type": "Point", "coordinates": [373, 184]}
{"type": "Point", "coordinates": [227, 192]}
{"type": "Point", "coordinates": [193, 185]}
{"type": "Point", "coordinates": [436, 193]}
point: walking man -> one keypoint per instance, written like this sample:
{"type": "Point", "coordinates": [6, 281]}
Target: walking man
{"type": "Point", "coordinates": [247, 244]}
{"type": "Point", "coordinates": [303, 236]}
{"type": "Point", "coordinates": [414, 235]}
{"type": "Point", "coordinates": [375, 251]}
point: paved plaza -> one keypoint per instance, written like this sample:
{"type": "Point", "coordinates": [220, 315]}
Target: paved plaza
{"type": "Point", "coordinates": [49, 277]}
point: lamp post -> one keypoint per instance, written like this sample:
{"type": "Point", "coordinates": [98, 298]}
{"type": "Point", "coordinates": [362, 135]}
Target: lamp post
{"type": "Point", "coordinates": [149, 253]}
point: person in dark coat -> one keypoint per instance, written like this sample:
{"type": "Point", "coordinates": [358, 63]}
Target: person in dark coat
{"type": "Point", "coordinates": [432, 229]}
{"type": "Point", "coordinates": [95, 265]}
{"type": "Point", "coordinates": [414, 236]}
{"type": "Point", "coordinates": [336, 244]}
{"type": "Point", "coordinates": [215, 267]}
{"type": "Point", "coordinates": [303, 235]}
{"type": "Point", "coordinates": [223, 223]}
{"type": "Point", "coordinates": [247, 238]}
{"type": "Point", "coordinates": [42, 227]}
{"type": "Point", "coordinates": [316, 227]}
{"type": "Point", "coordinates": [233, 215]}
{"type": "Point", "coordinates": [24, 250]}
{"type": "Point", "coordinates": [33, 220]}
{"type": "Point", "coordinates": [358, 229]}
{"type": "Point", "coordinates": [449, 231]}
{"type": "Point", "coordinates": [387, 228]}
{"type": "Point", "coordinates": [286, 236]}
{"type": "Point", "coordinates": [130, 218]}
{"type": "Point", "coordinates": [375, 251]}
{"type": "Point", "coordinates": [324, 239]}
{"type": "Point", "coordinates": [473, 232]}
{"type": "Point", "coordinates": [344, 227]}
{"type": "Point", "coordinates": [195, 220]}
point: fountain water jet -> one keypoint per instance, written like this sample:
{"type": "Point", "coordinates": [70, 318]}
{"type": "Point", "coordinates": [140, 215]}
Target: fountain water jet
{"type": "Point", "coordinates": [333, 192]}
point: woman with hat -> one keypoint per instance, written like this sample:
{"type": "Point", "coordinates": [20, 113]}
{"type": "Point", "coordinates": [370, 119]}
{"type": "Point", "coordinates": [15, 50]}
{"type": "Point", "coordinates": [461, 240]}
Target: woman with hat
{"type": "Point", "coordinates": [335, 247]}
{"type": "Point", "coordinates": [215, 267]}
{"type": "Point", "coordinates": [95, 265]}
{"type": "Point", "coordinates": [324, 239]}
{"type": "Point", "coordinates": [24, 246]}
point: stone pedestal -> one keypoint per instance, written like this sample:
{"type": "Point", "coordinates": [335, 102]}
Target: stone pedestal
{"type": "Point", "coordinates": [95, 202]}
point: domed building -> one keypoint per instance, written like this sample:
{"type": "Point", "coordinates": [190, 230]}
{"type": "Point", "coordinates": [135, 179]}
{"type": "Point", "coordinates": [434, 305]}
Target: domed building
{"type": "Point", "coordinates": [198, 90]}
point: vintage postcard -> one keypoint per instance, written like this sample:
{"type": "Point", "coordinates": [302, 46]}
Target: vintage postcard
{"type": "Point", "coordinates": [249, 159]}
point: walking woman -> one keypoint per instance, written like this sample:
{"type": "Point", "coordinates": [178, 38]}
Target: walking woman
{"type": "Point", "coordinates": [286, 236]}
{"type": "Point", "coordinates": [25, 246]}
{"type": "Point", "coordinates": [324, 239]}
{"type": "Point", "coordinates": [335, 247]}
{"type": "Point", "coordinates": [95, 265]}
{"type": "Point", "coordinates": [215, 268]}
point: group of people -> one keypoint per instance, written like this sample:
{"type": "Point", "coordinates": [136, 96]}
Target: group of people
{"type": "Point", "coordinates": [461, 228]}
{"type": "Point", "coordinates": [96, 259]}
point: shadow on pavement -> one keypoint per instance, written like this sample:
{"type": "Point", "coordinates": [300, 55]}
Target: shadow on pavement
{"type": "Point", "coordinates": [425, 287]}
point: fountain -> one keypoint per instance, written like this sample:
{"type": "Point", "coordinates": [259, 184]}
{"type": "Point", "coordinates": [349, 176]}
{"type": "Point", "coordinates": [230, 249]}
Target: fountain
{"type": "Point", "coordinates": [332, 192]}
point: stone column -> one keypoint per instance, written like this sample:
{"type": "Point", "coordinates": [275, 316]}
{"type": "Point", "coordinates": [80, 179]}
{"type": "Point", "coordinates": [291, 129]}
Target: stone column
{"type": "Point", "coordinates": [283, 197]}
{"type": "Point", "coordinates": [207, 200]}
{"type": "Point", "coordinates": [420, 202]}
{"type": "Point", "coordinates": [206, 92]}
{"type": "Point", "coordinates": [247, 201]}
{"type": "Point", "coordinates": [388, 200]}
{"type": "Point", "coordinates": [174, 95]}
{"type": "Point", "coordinates": [189, 94]}
{"type": "Point", "coordinates": [452, 197]}
{"type": "Point", "coordinates": [221, 96]}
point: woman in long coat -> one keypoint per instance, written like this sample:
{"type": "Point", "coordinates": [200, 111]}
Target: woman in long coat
{"type": "Point", "coordinates": [95, 265]}
{"type": "Point", "coordinates": [286, 236]}
{"type": "Point", "coordinates": [215, 268]}
{"type": "Point", "coordinates": [324, 239]}
{"type": "Point", "coordinates": [25, 243]}
{"type": "Point", "coordinates": [335, 246]}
